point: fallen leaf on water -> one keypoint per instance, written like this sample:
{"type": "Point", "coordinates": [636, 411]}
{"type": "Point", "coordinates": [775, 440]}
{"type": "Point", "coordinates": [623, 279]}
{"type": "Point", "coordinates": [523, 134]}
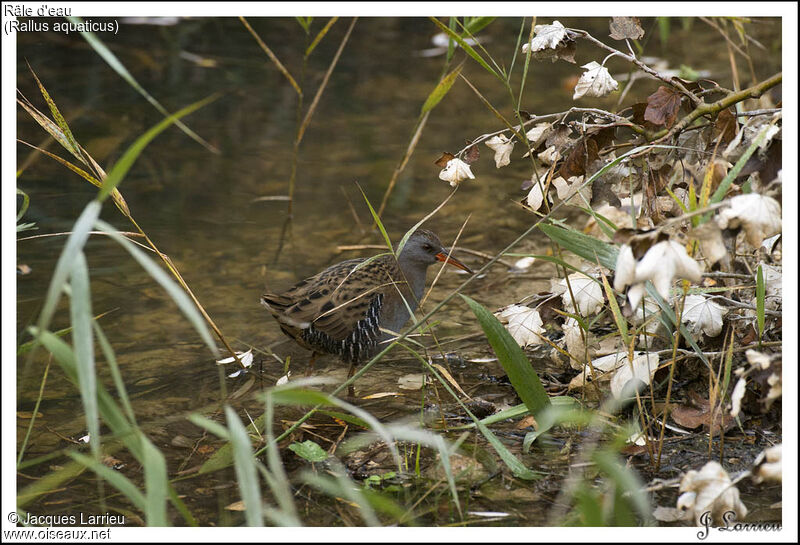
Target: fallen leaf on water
{"type": "Point", "coordinates": [523, 323]}
{"type": "Point", "coordinates": [381, 394]}
{"type": "Point", "coordinates": [413, 381]}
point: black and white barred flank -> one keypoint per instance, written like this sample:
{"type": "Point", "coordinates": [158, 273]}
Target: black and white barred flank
{"type": "Point", "coordinates": [356, 347]}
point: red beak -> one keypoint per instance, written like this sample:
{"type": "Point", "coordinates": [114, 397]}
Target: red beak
{"type": "Point", "coordinates": [441, 256]}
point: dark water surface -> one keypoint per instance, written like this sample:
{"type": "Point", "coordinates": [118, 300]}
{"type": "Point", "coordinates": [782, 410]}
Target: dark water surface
{"type": "Point", "coordinates": [205, 210]}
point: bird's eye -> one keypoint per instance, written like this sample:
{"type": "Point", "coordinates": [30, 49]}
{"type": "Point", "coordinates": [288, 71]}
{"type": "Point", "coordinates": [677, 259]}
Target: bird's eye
{"type": "Point", "coordinates": [427, 247]}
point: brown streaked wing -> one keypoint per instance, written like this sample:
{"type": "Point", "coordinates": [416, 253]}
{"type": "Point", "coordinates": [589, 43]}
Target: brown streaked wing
{"type": "Point", "coordinates": [336, 299]}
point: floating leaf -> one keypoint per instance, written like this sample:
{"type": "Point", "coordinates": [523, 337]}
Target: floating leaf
{"type": "Point", "coordinates": [523, 323]}
{"type": "Point", "coordinates": [309, 450]}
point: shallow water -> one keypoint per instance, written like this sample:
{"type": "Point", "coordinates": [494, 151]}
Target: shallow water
{"type": "Point", "coordinates": [207, 211]}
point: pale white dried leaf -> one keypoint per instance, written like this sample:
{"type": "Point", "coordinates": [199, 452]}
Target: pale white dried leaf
{"type": "Point", "coordinates": [713, 493]}
{"type": "Point", "coordinates": [575, 342]}
{"type": "Point", "coordinates": [456, 171]}
{"type": "Point", "coordinates": [284, 379]}
{"type": "Point", "coordinates": [709, 235]}
{"type": "Point", "coordinates": [537, 134]}
{"type": "Point", "coordinates": [523, 323]}
{"type": "Point", "coordinates": [639, 372]}
{"type": "Point", "coordinates": [703, 315]}
{"type": "Point", "coordinates": [524, 263]}
{"type": "Point", "coordinates": [502, 147]}
{"type": "Point", "coordinates": [572, 191]}
{"type": "Point", "coordinates": [535, 197]}
{"type": "Point", "coordinates": [546, 37]}
{"type": "Point", "coordinates": [587, 293]}
{"type": "Point", "coordinates": [736, 397]}
{"type": "Point", "coordinates": [245, 357]}
{"type": "Point", "coordinates": [757, 358]}
{"type": "Point", "coordinates": [625, 270]}
{"type": "Point", "coordinates": [596, 81]}
{"type": "Point", "coordinates": [660, 264]}
{"type": "Point", "coordinates": [768, 465]}
{"type": "Point", "coordinates": [759, 215]}
{"type": "Point", "coordinates": [668, 514]}
{"type": "Point", "coordinates": [549, 156]}
{"type": "Point", "coordinates": [412, 381]}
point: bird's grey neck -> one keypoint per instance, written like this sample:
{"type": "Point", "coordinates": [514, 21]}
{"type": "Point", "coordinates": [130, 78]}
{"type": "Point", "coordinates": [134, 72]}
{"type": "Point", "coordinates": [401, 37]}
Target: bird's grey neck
{"type": "Point", "coordinates": [415, 276]}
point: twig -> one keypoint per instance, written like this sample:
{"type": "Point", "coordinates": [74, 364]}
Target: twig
{"type": "Point", "coordinates": [642, 66]}
{"type": "Point", "coordinates": [715, 107]}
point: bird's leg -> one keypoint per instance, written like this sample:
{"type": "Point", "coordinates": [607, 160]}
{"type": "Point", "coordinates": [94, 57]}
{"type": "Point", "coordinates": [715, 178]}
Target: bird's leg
{"type": "Point", "coordinates": [310, 366]}
{"type": "Point", "coordinates": [351, 391]}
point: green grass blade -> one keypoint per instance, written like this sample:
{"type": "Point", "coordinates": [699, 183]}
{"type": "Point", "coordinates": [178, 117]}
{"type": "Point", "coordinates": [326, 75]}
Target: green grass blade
{"type": "Point", "coordinates": [626, 481]}
{"type": "Point", "coordinates": [156, 483]}
{"type": "Point", "coordinates": [115, 478]}
{"type": "Point", "coordinates": [276, 476]}
{"type": "Point", "coordinates": [760, 300]}
{"type": "Point", "coordinates": [619, 319]}
{"type": "Point", "coordinates": [671, 321]}
{"type": "Point", "coordinates": [245, 465]}
{"type": "Point", "coordinates": [83, 346]}
{"type": "Point", "coordinates": [123, 165]}
{"type": "Point", "coordinates": [111, 360]}
{"type": "Point", "coordinates": [726, 182]}
{"type": "Point", "coordinates": [69, 141]}
{"type": "Point", "coordinates": [321, 34]}
{"type": "Point", "coordinates": [517, 468]}
{"type": "Point", "coordinates": [476, 24]}
{"type": "Point", "coordinates": [120, 69]}
{"type": "Point", "coordinates": [25, 203]}
{"type": "Point", "coordinates": [468, 49]}
{"type": "Point", "coordinates": [173, 290]}
{"type": "Point", "coordinates": [107, 407]}
{"type": "Point", "coordinates": [50, 482]}
{"type": "Point", "coordinates": [513, 359]}
{"type": "Point", "coordinates": [214, 427]}
{"type": "Point", "coordinates": [441, 89]}
{"type": "Point", "coordinates": [73, 246]}
{"type": "Point", "coordinates": [378, 222]}
{"type": "Point", "coordinates": [585, 246]}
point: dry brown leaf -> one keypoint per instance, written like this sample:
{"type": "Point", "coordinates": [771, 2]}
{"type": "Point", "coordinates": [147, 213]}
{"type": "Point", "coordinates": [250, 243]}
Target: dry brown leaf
{"type": "Point", "coordinates": [663, 106]}
{"type": "Point", "coordinates": [444, 159]}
